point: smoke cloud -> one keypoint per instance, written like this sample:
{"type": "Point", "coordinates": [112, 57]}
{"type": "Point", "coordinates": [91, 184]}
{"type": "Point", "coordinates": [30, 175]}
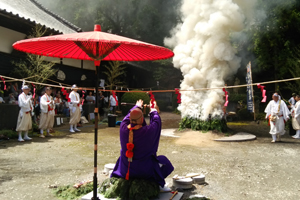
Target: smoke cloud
{"type": "Point", "coordinates": [204, 52]}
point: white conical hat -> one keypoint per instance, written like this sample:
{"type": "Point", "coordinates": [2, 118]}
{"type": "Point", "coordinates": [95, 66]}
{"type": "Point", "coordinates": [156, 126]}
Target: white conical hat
{"type": "Point", "coordinates": [74, 87]}
{"type": "Point", "coordinates": [25, 87]}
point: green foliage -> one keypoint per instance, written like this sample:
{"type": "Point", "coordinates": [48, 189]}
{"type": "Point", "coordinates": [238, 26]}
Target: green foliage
{"type": "Point", "coordinates": [174, 101]}
{"type": "Point", "coordinates": [9, 133]}
{"type": "Point", "coordinates": [176, 111]}
{"type": "Point", "coordinates": [132, 189]}
{"type": "Point", "coordinates": [35, 66]}
{"type": "Point", "coordinates": [288, 124]}
{"type": "Point", "coordinates": [147, 20]}
{"type": "Point", "coordinates": [197, 124]}
{"type": "Point", "coordinates": [260, 116]}
{"type": "Point", "coordinates": [69, 192]}
{"type": "Point", "coordinates": [35, 127]}
{"type": "Point", "coordinates": [275, 42]}
{"type": "Point", "coordinates": [244, 114]}
{"type": "Point", "coordinates": [219, 125]}
{"type": "Point", "coordinates": [113, 73]}
{"type": "Point", "coordinates": [163, 105]}
{"type": "Point", "coordinates": [132, 97]}
{"type": "Point", "coordinates": [234, 97]}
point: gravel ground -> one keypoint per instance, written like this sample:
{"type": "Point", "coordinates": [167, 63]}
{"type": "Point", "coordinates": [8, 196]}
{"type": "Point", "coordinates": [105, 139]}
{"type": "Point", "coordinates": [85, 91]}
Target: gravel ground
{"type": "Point", "coordinates": [234, 171]}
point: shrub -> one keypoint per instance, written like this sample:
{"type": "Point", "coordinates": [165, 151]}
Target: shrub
{"type": "Point", "coordinates": [260, 116]}
{"type": "Point", "coordinates": [233, 97]}
{"type": "Point", "coordinates": [132, 97]}
{"type": "Point", "coordinates": [9, 133]}
{"type": "Point", "coordinates": [174, 101]}
{"type": "Point", "coordinates": [244, 114]}
{"type": "Point", "coordinates": [163, 105]}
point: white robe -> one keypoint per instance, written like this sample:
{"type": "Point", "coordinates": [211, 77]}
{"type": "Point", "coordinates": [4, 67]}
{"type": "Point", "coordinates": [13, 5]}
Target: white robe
{"type": "Point", "coordinates": [47, 116]}
{"type": "Point", "coordinates": [278, 126]}
{"type": "Point", "coordinates": [295, 111]}
{"type": "Point", "coordinates": [75, 113]}
{"type": "Point", "coordinates": [24, 122]}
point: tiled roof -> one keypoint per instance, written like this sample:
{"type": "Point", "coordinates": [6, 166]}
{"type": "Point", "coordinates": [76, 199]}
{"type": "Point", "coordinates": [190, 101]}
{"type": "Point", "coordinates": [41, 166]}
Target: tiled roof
{"type": "Point", "coordinates": [32, 11]}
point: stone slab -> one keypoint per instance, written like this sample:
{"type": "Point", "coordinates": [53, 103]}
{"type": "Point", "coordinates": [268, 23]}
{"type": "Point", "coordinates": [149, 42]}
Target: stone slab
{"type": "Point", "coordinates": [162, 196]}
{"type": "Point", "coordinates": [169, 132]}
{"type": "Point", "coordinates": [239, 137]}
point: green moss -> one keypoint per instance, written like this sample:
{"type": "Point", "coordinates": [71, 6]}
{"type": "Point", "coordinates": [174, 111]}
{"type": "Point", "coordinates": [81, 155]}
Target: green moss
{"type": "Point", "coordinates": [197, 124]}
{"type": "Point", "coordinates": [69, 192]}
{"type": "Point", "coordinates": [132, 189]}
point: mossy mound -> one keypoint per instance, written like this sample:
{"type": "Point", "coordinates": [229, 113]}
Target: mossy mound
{"type": "Point", "coordinates": [69, 192]}
{"type": "Point", "coordinates": [133, 189]}
{"type": "Point", "coordinates": [218, 124]}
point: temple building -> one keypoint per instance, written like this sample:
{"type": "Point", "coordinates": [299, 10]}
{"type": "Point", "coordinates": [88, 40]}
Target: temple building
{"type": "Point", "coordinates": [17, 20]}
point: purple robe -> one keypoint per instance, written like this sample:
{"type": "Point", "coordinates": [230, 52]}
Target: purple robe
{"type": "Point", "coordinates": [145, 164]}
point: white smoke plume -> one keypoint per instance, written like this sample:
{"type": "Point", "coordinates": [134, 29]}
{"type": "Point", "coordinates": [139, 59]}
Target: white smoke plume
{"type": "Point", "coordinates": [204, 53]}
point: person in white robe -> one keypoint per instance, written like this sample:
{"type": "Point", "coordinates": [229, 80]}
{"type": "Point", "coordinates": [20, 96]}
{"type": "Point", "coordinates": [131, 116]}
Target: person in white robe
{"type": "Point", "coordinates": [295, 113]}
{"type": "Point", "coordinates": [75, 113]}
{"type": "Point", "coordinates": [292, 101]}
{"type": "Point", "coordinates": [47, 107]}
{"type": "Point", "coordinates": [24, 122]}
{"type": "Point", "coordinates": [278, 113]}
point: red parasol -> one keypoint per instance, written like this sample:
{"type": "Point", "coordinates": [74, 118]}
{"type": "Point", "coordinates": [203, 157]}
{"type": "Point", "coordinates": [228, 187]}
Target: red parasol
{"type": "Point", "coordinates": [95, 46]}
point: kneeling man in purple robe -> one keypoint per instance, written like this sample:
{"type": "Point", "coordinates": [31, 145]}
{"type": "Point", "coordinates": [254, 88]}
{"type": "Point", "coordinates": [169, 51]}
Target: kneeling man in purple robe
{"type": "Point", "coordinates": [139, 144]}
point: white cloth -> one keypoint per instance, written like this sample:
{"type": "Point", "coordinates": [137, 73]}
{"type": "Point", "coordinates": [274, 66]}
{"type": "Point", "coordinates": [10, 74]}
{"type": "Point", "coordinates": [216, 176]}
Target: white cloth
{"type": "Point", "coordinates": [295, 112]}
{"type": "Point", "coordinates": [46, 120]}
{"type": "Point", "coordinates": [297, 109]}
{"type": "Point", "coordinates": [292, 101]}
{"type": "Point", "coordinates": [112, 100]}
{"type": "Point", "coordinates": [24, 122]}
{"type": "Point", "coordinates": [74, 115]}
{"type": "Point", "coordinates": [75, 99]}
{"type": "Point", "coordinates": [272, 109]}
{"type": "Point", "coordinates": [1, 100]}
{"type": "Point", "coordinates": [25, 103]}
{"type": "Point", "coordinates": [44, 102]}
{"type": "Point", "coordinates": [277, 127]}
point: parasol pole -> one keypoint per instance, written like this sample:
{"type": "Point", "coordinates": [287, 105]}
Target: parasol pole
{"type": "Point", "coordinates": [95, 197]}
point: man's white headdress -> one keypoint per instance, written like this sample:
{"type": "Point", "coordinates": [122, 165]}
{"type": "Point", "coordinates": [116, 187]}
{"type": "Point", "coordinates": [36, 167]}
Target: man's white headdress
{"type": "Point", "coordinates": [74, 87]}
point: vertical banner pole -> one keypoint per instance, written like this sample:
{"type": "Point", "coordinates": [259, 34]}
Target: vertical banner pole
{"type": "Point", "coordinates": [252, 92]}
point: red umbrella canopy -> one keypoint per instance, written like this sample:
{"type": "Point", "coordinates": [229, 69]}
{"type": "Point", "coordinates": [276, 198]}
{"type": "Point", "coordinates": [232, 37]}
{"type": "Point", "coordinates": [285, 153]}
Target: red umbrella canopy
{"type": "Point", "coordinates": [95, 46]}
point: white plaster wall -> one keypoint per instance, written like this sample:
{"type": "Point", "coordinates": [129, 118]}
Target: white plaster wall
{"type": "Point", "coordinates": [7, 38]}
